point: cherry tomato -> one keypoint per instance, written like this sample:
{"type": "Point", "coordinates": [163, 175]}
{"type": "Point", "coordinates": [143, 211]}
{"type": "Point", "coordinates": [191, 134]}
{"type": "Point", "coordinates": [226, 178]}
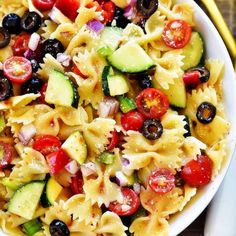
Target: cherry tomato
{"type": "Point", "coordinates": [197, 173]}
{"type": "Point", "coordinates": [77, 183]}
{"type": "Point", "coordinates": [44, 5]}
{"type": "Point", "coordinates": [6, 154]}
{"type": "Point", "coordinates": [43, 93]}
{"type": "Point", "coordinates": [68, 8]}
{"type": "Point", "coordinates": [17, 69]}
{"type": "Point", "coordinates": [57, 161]}
{"type": "Point", "coordinates": [152, 103]}
{"type": "Point", "coordinates": [161, 180]}
{"type": "Point", "coordinates": [108, 11]}
{"type": "Point", "coordinates": [20, 45]}
{"type": "Point", "coordinates": [176, 34]}
{"type": "Point", "coordinates": [191, 79]}
{"type": "Point", "coordinates": [129, 205]}
{"type": "Point", "coordinates": [132, 120]}
{"type": "Point", "coordinates": [77, 71]}
{"type": "Point", "coordinates": [113, 141]}
{"type": "Point", "coordinates": [46, 144]}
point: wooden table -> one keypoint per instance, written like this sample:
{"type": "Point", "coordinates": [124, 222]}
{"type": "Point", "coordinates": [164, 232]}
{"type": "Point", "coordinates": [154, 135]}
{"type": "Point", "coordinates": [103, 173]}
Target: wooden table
{"type": "Point", "coordinates": [228, 9]}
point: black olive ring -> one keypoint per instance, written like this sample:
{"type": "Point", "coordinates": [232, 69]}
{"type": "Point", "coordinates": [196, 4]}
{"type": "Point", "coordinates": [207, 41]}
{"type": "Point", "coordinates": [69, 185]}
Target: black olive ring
{"type": "Point", "coordinates": [5, 37]}
{"type": "Point", "coordinates": [204, 73]}
{"type": "Point", "coordinates": [147, 7]}
{"type": "Point", "coordinates": [58, 228]}
{"type": "Point", "coordinates": [31, 22]}
{"type": "Point", "coordinates": [206, 112]}
{"type": "Point", "coordinates": [6, 89]}
{"type": "Point", "coordinates": [152, 129]}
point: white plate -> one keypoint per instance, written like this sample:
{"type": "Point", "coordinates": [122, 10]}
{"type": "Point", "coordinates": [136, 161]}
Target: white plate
{"type": "Point", "coordinates": [215, 48]}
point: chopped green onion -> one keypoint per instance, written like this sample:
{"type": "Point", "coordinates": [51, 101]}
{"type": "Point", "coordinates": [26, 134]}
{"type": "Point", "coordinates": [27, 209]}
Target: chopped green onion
{"type": "Point", "coordinates": [104, 51]}
{"type": "Point", "coordinates": [126, 104]}
{"type": "Point", "coordinates": [32, 227]}
{"type": "Point", "coordinates": [107, 158]}
{"type": "Point", "coordinates": [10, 183]}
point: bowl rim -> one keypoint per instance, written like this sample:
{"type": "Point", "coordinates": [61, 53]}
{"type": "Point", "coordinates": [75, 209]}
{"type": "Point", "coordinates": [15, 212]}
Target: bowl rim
{"type": "Point", "coordinates": [188, 215]}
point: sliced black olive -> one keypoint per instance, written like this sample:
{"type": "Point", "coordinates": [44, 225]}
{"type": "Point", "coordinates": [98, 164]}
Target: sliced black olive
{"type": "Point", "coordinates": [145, 82]}
{"type": "Point", "coordinates": [204, 73]}
{"type": "Point", "coordinates": [35, 65]}
{"type": "Point", "coordinates": [179, 182]}
{"type": "Point", "coordinates": [206, 112]}
{"type": "Point", "coordinates": [140, 75]}
{"type": "Point", "coordinates": [52, 46]}
{"type": "Point", "coordinates": [187, 127]}
{"type": "Point", "coordinates": [121, 21]}
{"type": "Point", "coordinates": [152, 129]}
{"type": "Point", "coordinates": [11, 22]}
{"type": "Point", "coordinates": [5, 37]}
{"type": "Point", "coordinates": [31, 22]}
{"type": "Point", "coordinates": [147, 7]}
{"type": "Point", "coordinates": [58, 228]}
{"type": "Point", "coordinates": [6, 89]}
{"type": "Point", "coordinates": [33, 85]}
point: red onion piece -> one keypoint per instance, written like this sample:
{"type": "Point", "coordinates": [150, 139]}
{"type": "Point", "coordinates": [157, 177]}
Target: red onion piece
{"type": "Point", "coordinates": [108, 107]}
{"type": "Point", "coordinates": [64, 59]}
{"type": "Point", "coordinates": [53, 14]}
{"type": "Point", "coordinates": [72, 167]}
{"type": "Point", "coordinates": [26, 133]}
{"type": "Point", "coordinates": [29, 54]}
{"type": "Point", "coordinates": [129, 11]}
{"type": "Point", "coordinates": [95, 25]}
{"type": "Point", "coordinates": [88, 169]}
{"type": "Point", "coordinates": [34, 41]}
{"type": "Point", "coordinates": [121, 179]}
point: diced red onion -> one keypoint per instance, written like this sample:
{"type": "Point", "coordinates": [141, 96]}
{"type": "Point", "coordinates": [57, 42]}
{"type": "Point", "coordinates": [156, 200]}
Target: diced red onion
{"type": "Point", "coordinates": [34, 41]}
{"type": "Point", "coordinates": [95, 25]}
{"type": "Point", "coordinates": [29, 54]}
{"type": "Point", "coordinates": [88, 169]}
{"type": "Point", "coordinates": [129, 10]}
{"type": "Point", "coordinates": [26, 133]}
{"type": "Point", "coordinates": [53, 14]}
{"type": "Point", "coordinates": [72, 167]}
{"type": "Point", "coordinates": [137, 188]}
{"type": "Point", "coordinates": [121, 179]}
{"type": "Point", "coordinates": [108, 107]}
{"type": "Point", "coordinates": [125, 162]}
{"type": "Point", "coordinates": [63, 59]}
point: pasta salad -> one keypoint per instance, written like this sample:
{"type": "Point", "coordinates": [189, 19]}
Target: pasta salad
{"type": "Point", "coordinates": [111, 116]}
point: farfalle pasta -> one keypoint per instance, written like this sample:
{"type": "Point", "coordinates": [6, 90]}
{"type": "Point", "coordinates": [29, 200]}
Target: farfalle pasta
{"type": "Point", "coordinates": [106, 116]}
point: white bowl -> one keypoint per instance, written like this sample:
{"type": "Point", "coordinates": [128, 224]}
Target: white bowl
{"type": "Point", "coordinates": [215, 48]}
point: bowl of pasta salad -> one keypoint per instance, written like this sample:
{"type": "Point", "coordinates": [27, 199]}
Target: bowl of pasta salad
{"type": "Point", "coordinates": [116, 117]}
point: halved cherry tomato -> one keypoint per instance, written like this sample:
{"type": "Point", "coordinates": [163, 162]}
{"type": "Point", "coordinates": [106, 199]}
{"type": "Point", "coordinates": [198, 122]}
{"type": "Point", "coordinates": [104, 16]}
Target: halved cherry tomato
{"type": "Point", "coordinates": [176, 34]}
{"type": "Point", "coordinates": [44, 5]}
{"type": "Point", "coordinates": [161, 180]}
{"type": "Point", "coordinates": [17, 69]}
{"type": "Point", "coordinates": [46, 144]}
{"type": "Point", "coordinates": [43, 93]}
{"type": "Point", "coordinates": [21, 44]}
{"type": "Point", "coordinates": [129, 205]}
{"type": "Point", "coordinates": [77, 183]}
{"type": "Point", "coordinates": [113, 141]}
{"type": "Point", "coordinates": [191, 79]}
{"type": "Point", "coordinates": [108, 11]}
{"type": "Point", "coordinates": [68, 8]}
{"type": "Point", "coordinates": [6, 154]}
{"type": "Point", "coordinates": [57, 161]}
{"type": "Point", "coordinates": [152, 103]}
{"type": "Point", "coordinates": [197, 173]}
{"type": "Point", "coordinates": [77, 71]}
{"type": "Point", "coordinates": [132, 120]}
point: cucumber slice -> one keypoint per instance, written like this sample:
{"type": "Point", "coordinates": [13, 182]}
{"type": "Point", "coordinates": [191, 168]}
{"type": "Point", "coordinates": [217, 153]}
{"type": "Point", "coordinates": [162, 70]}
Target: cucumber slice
{"type": "Point", "coordinates": [176, 92]}
{"type": "Point", "coordinates": [117, 84]}
{"type": "Point", "coordinates": [32, 227]}
{"type": "Point", "coordinates": [193, 51]}
{"type": "Point", "coordinates": [76, 147]}
{"type": "Point", "coordinates": [127, 104]}
{"type": "Point", "coordinates": [110, 40]}
{"type": "Point", "coordinates": [131, 58]}
{"type": "Point", "coordinates": [26, 199]}
{"type": "Point", "coordinates": [51, 192]}
{"type": "Point", "coordinates": [12, 184]}
{"type": "Point", "coordinates": [61, 90]}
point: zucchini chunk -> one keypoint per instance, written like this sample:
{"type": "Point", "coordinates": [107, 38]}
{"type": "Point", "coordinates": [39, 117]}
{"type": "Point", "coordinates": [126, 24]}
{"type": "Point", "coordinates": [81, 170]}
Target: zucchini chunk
{"type": "Point", "coordinates": [26, 199]}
